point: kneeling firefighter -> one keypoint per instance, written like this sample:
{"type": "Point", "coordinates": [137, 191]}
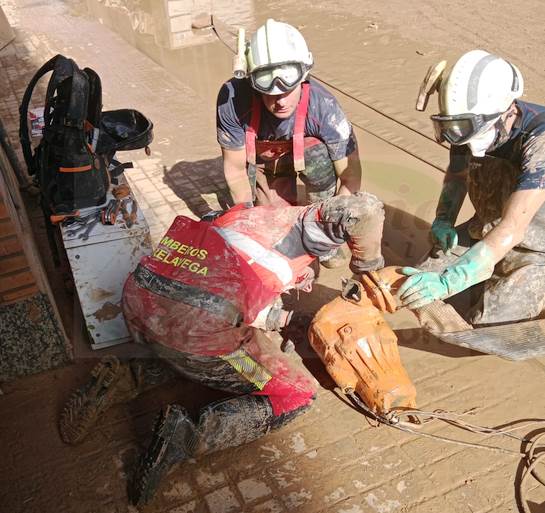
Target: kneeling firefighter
{"type": "Point", "coordinates": [497, 156]}
{"type": "Point", "coordinates": [204, 301]}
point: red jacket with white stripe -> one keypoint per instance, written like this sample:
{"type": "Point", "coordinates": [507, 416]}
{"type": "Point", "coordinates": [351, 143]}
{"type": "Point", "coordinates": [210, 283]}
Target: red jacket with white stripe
{"type": "Point", "coordinates": [246, 256]}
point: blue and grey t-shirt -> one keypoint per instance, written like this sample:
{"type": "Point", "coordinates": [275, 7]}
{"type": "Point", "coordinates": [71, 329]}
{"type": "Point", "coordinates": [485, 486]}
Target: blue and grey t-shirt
{"type": "Point", "coordinates": [530, 153]}
{"type": "Point", "coordinates": [325, 119]}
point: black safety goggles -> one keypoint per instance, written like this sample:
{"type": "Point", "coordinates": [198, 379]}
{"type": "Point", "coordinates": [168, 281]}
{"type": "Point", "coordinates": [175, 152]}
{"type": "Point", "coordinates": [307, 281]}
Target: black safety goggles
{"type": "Point", "coordinates": [460, 128]}
{"type": "Point", "coordinates": [284, 76]}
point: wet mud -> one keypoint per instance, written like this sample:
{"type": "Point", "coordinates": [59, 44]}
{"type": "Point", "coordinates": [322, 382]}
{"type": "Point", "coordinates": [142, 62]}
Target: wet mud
{"type": "Point", "coordinates": [372, 56]}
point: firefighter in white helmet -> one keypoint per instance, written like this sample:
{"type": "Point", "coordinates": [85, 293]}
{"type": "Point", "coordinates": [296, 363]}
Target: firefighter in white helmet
{"type": "Point", "coordinates": [497, 156]}
{"type": "Point", "coordinates": [276, 123]}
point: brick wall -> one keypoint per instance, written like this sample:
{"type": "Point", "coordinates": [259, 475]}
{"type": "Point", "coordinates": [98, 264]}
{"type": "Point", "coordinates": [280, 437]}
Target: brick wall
{"type": "Point", "coordinates": [16, 279]}
{"type": "Point", "coordinates": [32, 338]}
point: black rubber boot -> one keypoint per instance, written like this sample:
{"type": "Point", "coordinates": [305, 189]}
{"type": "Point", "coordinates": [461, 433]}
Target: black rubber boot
{"type": "Point", "coordinates": [173, 436]}
{"type": "Point", "coordinates": [222, 425]}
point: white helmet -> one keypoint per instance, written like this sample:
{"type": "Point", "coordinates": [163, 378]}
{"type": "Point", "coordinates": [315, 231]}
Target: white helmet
{"type": "Point", "coordinates": [480, 83]}
{"type": "Point", "coordinates": [277, 58]}
{"type": "Point", "coordinates": [479, 88]}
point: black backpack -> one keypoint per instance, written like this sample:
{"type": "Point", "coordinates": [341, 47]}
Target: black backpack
{"type": "Point", "coordinates": [72, 160]}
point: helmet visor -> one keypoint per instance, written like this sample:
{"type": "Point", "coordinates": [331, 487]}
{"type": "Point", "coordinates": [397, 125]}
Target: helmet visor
{"type": "Point", "coordinates": [286, 76]}
{"type": "Point", "coordinates": [460, 128]}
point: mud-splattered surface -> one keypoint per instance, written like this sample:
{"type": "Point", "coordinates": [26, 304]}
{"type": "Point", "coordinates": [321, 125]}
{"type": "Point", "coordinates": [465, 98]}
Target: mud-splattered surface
{"type": "Point", "coordinates": [107, 311]}
{"type": "Point", "coordinates": [329, 459]}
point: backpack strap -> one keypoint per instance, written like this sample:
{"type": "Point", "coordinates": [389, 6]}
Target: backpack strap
{"type": "Point", "coordinates": [94, 106]}
{"type": "Point", "coordinates": [117, 169]}
{"type": "Point", "coordinates": [79, 98]}
{"type": "Point", "coordinates": [76, 111]}
{"type": "Point", "coordinates": [23, 111]}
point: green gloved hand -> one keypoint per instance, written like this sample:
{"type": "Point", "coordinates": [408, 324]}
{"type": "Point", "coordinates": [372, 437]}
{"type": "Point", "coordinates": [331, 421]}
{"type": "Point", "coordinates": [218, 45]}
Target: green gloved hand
{"type": "Point", "coordinates": [421, 288]}
{"type": "Point", "coordinates": [442, 229]}
{"type": "Point", "coordinates": [444, 235]}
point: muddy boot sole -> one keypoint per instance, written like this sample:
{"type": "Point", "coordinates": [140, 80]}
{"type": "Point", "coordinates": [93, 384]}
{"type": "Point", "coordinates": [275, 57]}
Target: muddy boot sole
{"type": "Point", "coordinates": [110, 382]}
{"type": "Point", "coordinates": [172, 432]}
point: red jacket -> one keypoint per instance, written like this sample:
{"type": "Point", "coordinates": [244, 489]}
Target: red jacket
{"type": "Point", "coordinates": [237, 260]}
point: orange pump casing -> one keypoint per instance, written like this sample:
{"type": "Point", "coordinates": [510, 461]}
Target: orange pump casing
{"type": "Point", "coordinates": [359, 349]}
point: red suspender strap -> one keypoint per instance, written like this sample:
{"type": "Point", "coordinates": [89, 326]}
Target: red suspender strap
{"type": "Point", "coordinates": [251, 131]}
{"type": "Point", "coordinates": [299, 129]}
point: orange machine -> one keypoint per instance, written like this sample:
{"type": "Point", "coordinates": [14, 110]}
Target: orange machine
{"type": "Point", "coordinates": [358, 347]}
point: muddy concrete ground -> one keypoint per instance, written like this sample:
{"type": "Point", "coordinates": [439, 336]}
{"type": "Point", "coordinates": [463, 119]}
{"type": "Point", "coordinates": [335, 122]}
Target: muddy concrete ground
{"type": "Point", "coordinates": [373, 56]}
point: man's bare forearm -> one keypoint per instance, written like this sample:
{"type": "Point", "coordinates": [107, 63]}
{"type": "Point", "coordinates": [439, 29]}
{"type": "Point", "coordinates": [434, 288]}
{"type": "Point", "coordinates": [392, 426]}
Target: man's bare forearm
{"type": "Point", "coordinates": [236, 176]}
{"type": "Point", "coordinates": [348, 171]}
{"type": "Point", "coordinates": [518, 213]}
{"type": "Point", "coordinates": [239, 186]}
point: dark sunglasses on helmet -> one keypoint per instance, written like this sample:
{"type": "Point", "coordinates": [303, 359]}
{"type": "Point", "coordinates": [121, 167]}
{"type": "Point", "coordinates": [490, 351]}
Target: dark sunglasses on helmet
{"type": "Point", "coordinates": [460, 128]}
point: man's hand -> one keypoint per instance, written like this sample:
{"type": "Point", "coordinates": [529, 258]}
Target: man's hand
{"type": "Point", "coordinates": [444, 235]}
{"type": "Point", "coordinates": [421, 288]}
{"type": "Point", "coordinates": [348, 171]}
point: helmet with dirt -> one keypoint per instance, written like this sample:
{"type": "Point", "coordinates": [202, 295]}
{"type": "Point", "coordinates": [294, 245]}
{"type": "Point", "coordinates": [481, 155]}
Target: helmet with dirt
{"type": "Point", "coordinates": [479, 88]}
{"type": "Point", "coordinates": [278, 59]}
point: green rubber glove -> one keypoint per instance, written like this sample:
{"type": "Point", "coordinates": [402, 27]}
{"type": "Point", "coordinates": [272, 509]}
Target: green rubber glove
{"type": "Point", "coordinates": [421, 288]}
{"type": "Point", "coordinates": [444, 235]}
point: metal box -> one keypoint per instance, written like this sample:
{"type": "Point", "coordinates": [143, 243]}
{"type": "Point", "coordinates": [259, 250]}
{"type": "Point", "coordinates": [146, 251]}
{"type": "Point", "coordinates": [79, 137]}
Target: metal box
{"type": "Point", "coordinates": [100, 265]}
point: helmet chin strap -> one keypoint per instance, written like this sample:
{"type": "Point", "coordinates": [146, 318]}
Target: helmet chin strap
{"type": "Point", "coordinates": [502, 133]}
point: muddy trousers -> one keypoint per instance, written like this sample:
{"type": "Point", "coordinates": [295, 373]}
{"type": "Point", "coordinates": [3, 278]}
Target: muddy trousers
{"type": "Point", "coordinates": [278, 186]}
{"type": "Point", "coordinates": [514, 292]}
{"type": "Point", "coordinates": [272, 390]}
{"type": "Point", "coordinates": [221, 425]}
